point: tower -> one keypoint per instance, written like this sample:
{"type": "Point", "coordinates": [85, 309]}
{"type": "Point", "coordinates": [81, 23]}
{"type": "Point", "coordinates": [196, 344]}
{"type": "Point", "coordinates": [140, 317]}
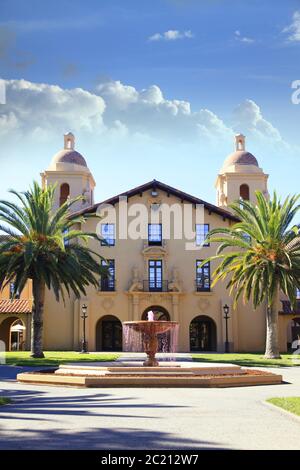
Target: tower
{"type": "Point", "coordinates": [240, 176]}
{"type": "Point", "coordinates": [69, 171]}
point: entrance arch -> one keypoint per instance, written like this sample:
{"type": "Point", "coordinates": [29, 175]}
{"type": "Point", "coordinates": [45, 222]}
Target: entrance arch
{"type": "Point", "coordinates": [109, 334]}
{"type": "Point", "coordinates": [13, 333]}
{"type": "Point", "coordinates": [160, 313]}
{"type": "Point", "coordinates": [203, 334]}
{"type": "Point", "coordinates": [293, 331]}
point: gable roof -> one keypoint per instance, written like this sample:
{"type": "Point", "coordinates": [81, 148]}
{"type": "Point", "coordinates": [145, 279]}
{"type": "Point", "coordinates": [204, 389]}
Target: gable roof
{"type": "Point", "coordinates": [154, 184]}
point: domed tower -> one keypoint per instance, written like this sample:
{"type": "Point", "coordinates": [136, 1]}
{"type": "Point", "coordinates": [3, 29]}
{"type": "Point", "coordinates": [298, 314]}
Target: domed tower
{"type": "Point", "coordinates": [240, 176]}
{"type": "Point", "coordinates": [69, 171]}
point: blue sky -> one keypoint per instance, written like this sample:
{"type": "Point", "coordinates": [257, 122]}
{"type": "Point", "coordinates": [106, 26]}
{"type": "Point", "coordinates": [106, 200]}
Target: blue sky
{"type": "Point", "coordinates": [164, 86]}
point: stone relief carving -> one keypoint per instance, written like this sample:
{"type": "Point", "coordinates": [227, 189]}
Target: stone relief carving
{"type": "Point", "coordinates": [136, 283]}
{"type": "Point", "coordinates": [107, 303]}
{"type": "Point", "coordinates": [203, 305]}
{"type": "Point", "coordinates": [175, 284]}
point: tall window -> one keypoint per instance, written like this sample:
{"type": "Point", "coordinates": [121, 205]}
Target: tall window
{"type": "Point", "coordinates": [12, 294]}
{"type": "Point", "coordinates": [154, 234]}
{"type": "Point", "coordinates": [107, 282]}
{"type": "Point", "coordinates": [155, 275]}
{"type": "Point", "coordinates": [201, 234]}
{"type": "Point", "coordinates": [108, 234]}
{"type": "Point", "coordinates": [64, 193]}
{"type": "Point", "coordinates": [202, 276]}
{"type": "Point", "coordinates": [244, 192]}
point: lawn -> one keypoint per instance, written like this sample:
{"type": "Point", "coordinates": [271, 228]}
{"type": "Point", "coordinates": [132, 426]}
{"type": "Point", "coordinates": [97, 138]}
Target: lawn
{"type": "Point", "coordinates": [4, 401]}
{"type": "Point", "coordinates": [291, 404]}
{"type": "Point", "coordinates": [249, 360]}
{"type": "Point", "coordinates": [54, 358]}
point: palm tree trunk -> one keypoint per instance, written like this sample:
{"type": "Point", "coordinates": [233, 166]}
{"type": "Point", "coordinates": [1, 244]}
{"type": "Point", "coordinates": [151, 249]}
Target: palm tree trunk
{"type": "Point", "coordinates": [38, 288]}
{"type": "Point", "coordinates": [272, 344]}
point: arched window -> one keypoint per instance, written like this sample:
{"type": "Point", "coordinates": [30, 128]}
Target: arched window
{"type": "Point", "coordinates": [64, 193]}
{"type": "Point", "coordinates": [245, 192]}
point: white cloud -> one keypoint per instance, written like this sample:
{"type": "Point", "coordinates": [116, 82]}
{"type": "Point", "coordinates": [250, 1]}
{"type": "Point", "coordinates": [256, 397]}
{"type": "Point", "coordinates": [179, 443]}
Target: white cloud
{"type": "Point", "coordinates": [240, 38]}
{"type": "Point", "coordinates": [249, 120]}
{"type": "Point", "coordinates": [294, 28]}
{"type": "Point", "coordinates": [171, 35]}
{"type": "Point", "coordinates": [41, 109]}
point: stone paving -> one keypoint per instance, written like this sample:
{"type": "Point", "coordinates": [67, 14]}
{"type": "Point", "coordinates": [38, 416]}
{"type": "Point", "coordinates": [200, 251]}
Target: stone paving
{"type": "Point", "coordinates": [42, 417]}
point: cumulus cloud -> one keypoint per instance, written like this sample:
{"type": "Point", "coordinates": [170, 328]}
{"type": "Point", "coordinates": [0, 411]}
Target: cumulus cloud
{"type": "Point", "coordinates": [41, 109]}
{"type": "Point", "coordinates": [171, 35]}
{"type": "Point", "coordinates": [249, 120]}
{"type": "Point", "coordinates": [238, 37]}
{"type": "Point", "coordinates": [148, 112]}
{"type": "Point", "coordinates": [115, 111]}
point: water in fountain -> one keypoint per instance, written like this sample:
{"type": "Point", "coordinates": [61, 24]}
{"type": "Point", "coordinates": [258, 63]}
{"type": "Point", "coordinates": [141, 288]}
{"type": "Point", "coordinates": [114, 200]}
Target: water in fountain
{"type": "Point", "coordinates": [134, 338]}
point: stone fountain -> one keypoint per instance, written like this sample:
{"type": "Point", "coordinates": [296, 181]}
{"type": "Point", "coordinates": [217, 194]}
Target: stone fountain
{"type": "Point", "coordinates": [143, 336]}
{"type": "Point", "coordinates": [150, 337]}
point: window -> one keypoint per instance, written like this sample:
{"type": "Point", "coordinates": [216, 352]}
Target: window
{"type": "Point", "coordinates": [64, 193]}
{"type": "Point", "coordinates": [244, 192]}
{"type": "Point", "coordinates": [108, 234]}
{"type": "Point", "coordinates": [201, 234]}
{"type": "Point", "coordinates": [108, 282]}
{"type": "Point", "coordinates": [154, 234]}
{"type": "Point", "coordinates": [155, 275]}
{"type": "Point", "coordinates": [12, 294]}
{"type": "Point", "coordinates": [298, 294]}
{"type": "Point", "coordinates": [202, 276]}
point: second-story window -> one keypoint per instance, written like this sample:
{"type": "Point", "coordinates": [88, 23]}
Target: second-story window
{"type": "Point", "coordinates": [108, 234]}
{"type": "Point", "coordinates": [107, 283]}
{"type": "Point", "coordinates": [202, 276]}
{"type": "Point", "coordinates": [201, 234]}
{"type": "Point", "coordinates": [12, 294]}
{"type": "Point", "coordinates": [154, 234]}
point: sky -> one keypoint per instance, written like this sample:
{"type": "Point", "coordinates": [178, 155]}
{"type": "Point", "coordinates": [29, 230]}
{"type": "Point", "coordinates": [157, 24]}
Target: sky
{"type": "Point", "coordinates": [150, 89]}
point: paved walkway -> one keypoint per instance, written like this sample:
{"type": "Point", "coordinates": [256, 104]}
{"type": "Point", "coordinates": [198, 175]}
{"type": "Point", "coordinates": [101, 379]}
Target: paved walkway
{"type": "Point", "coordinates": [44, 417]}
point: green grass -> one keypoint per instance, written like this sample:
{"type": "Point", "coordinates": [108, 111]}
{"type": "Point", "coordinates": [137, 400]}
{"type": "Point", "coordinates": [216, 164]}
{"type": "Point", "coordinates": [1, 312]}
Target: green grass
{"type": "Point", "coordinates": [250, 360]}
{"type": "Point", "coordinates": [4, 401]}
{"type": "Point", "coordinates": [291, 404]}
{"type": "Point", "coordinates": [54, 358]}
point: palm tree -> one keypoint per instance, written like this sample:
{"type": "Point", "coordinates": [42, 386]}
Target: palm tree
{"type": "Point", "coordinates": [41, 244]}
{"type": "Point", "coordinates": [264, 257]}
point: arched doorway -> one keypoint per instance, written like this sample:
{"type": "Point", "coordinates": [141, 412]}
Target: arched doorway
{"type": "Point", "coordinates": [109, 334]}
{"type": "Point", "coordinates": [160, 313]}
{"type": "Point", "coordinates": [13, 333]}
{"type": "Point", "coordinates": [203, 334]}
{"type": "Point", "coordinates": [293, 331]}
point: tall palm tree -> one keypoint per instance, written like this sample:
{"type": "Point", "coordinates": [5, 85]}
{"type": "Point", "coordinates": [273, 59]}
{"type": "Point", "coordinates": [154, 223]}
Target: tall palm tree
{"type": "Point", "coordinates": [41, 244]}
{"type": "Point", "coordinates": [260, 256]}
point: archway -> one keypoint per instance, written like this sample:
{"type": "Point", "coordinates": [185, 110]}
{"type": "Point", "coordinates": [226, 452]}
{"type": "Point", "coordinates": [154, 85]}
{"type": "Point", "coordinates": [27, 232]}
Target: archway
{"type": "Point", "coordinates": [13, 333]}
{"type": "Point", "coordinates": [203, 334]}
{"type": "Point", "coordinates": [160, 313]}
{"type": "Point", "coordinates": [64, 193]}
{"type": "Point", "coordinates": [245, 192]}
{"type": "Point", "coordinates": [109, 334]}
{"type": "Point", "coordinates": [293, 331]}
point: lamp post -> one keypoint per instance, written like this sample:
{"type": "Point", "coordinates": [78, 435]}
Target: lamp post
{"type": "Point", "coordinates": [84, 317]}
{"type": "Point", "coordinates": [226, 317]}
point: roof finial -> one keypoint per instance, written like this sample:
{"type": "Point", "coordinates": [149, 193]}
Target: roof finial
{"type": "Point", "coordinates": [240, 142]}
{"type": "Point", "coordinates": [69, 141]}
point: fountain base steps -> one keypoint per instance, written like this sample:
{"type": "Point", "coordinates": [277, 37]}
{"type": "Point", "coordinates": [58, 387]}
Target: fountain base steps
{"type": "Point", "coordinates": [183, 375]}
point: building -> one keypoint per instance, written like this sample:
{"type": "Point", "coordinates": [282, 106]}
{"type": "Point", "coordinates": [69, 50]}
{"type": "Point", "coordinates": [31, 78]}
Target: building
{"type": "Point", "coordinates": [152, 268]}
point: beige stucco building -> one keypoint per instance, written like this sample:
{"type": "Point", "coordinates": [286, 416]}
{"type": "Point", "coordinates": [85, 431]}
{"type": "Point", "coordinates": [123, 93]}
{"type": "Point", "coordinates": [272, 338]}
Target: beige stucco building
{"type": "Point", "coordinates": [159, 269]}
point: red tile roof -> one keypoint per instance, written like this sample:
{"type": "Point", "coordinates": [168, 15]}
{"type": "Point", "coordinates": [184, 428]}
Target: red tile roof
{"type": "Point", "coordinates": [15, 306]}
